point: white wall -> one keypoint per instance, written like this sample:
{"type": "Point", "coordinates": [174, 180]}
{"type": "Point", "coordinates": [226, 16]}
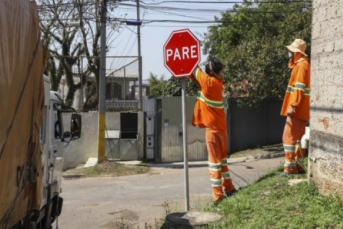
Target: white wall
{"type": "Point", "coordinates": [78, 151]}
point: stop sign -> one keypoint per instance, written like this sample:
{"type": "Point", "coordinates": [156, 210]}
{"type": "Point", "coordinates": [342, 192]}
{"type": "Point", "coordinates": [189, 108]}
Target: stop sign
{"type": "Point", "coordinates": [181, 53]}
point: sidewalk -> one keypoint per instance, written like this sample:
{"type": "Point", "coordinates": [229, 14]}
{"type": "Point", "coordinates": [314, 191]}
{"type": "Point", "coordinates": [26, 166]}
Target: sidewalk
{"type": "Point", "coordinates": [273, 151]}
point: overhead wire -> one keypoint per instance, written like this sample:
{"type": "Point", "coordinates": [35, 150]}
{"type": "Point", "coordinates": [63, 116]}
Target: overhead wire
{"type": "Point", "coordinates": [120, 63]}
{"type": "Point", "coordinates": [180, 15]}
{"type": "Point", "coordinates": [41, 6]}
{"type": "Point", "coordinates": [226, 2]}
{"type": "Point", "coordinates": [167, 7]}
{"type": "Point", "coordinates": [153, 7]}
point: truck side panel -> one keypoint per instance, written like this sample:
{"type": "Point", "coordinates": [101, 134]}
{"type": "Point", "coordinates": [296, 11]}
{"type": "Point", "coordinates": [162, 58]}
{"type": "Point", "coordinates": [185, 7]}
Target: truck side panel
{"type": "Point", "coordinates": [22, 109]}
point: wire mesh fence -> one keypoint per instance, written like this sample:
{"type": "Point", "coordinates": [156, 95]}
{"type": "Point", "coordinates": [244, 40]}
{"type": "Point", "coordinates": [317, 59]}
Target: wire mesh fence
{"type": "Point", "coordinates": [122, 84]}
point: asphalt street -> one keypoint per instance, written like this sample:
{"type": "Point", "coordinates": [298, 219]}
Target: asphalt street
{"type": "Point", "coordinates": [142, 201]}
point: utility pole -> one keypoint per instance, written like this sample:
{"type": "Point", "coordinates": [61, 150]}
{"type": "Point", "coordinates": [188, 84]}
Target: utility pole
{"type": "Point", "coordinates": [82, 82]}
{"type": "Point", "coordinates": [81, 75]}
{"type": "Point", "coordinates": [102, 85]}
{"type": "Point", "coordinates": [140, 99]}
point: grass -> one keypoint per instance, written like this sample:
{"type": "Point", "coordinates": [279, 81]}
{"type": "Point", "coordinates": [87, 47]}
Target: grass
{"type": "Point", "coordinates": [264, 150]}
{"type": "Point", "coordinates": [110, 169]}
{"type": "Point", "coordinates": [272, 203]}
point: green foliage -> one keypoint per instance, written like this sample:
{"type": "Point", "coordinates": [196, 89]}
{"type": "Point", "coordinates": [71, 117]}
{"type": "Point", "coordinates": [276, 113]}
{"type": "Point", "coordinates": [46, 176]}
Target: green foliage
{"type": "Point", "coordinates": [159, 87]}
{"type": "Point", "coordinates": [272, 203]}
{"type": "Point", "coordinates": [251, 43]}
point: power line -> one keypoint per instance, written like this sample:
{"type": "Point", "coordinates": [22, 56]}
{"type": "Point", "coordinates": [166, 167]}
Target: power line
{"type": "Point", "coordinates": [41, 6]}
{"type": "Point", "coordinates": [227, 2]}
{"type": "Point", "coordinates": [181, 15]}
{"type": "Point", "coordinates": [150, 7]}
{"type": "Point", "coordinates": [253, 10]}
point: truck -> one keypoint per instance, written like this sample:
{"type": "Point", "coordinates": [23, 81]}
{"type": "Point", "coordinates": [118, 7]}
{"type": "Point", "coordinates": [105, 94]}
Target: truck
{"type": "Point", "coordinates": [32, 137]}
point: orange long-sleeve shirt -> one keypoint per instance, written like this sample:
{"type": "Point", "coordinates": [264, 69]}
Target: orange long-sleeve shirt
{"type": "Point", "coordinates": [298, 90]}
{"type": "Point", "coordinates": [209, 107]}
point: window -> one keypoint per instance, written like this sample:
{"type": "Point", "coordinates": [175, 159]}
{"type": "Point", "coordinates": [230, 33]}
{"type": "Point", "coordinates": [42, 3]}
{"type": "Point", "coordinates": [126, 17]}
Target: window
{"type": "Point", "coordinates": [58, 124]}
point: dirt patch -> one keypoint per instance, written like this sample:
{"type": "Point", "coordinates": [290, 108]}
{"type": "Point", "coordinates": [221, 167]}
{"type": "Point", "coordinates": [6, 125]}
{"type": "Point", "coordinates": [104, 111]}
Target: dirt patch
{"type": "Point", "coordinates": [108, 169]}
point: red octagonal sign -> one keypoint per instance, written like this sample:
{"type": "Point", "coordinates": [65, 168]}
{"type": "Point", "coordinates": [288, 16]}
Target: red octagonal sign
{"type": "Point", "coordinates": [181, 53]}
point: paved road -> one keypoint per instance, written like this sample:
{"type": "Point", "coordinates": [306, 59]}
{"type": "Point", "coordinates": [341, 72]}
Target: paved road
{"type": "Point", "coordinates": [145, 199]}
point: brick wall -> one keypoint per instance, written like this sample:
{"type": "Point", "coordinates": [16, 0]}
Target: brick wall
{"type": "Point", "coordinates": [326, 140]}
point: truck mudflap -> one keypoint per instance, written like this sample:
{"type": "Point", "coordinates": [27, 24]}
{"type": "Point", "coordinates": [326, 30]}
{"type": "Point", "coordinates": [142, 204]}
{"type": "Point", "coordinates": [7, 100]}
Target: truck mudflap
{"type": "Point", "coordinates": [56, 210]}
{"type": "Point", "coordinates": [54, 205]}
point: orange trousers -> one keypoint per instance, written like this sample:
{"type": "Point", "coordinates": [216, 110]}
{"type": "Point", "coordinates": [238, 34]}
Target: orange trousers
{"type": "Point", "coordinates": [294, 154]}
{"type": "Point", "coordinates": [216, 141]}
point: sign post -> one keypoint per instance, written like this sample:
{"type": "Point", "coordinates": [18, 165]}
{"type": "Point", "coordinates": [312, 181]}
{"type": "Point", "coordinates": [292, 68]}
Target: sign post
{"type": "Point", "coordinates": [184, 143]}
{"type": "Point", "coordinates": [181, 57]}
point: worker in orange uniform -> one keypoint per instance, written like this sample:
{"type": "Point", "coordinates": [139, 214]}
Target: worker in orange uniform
{"type": "Point", "coordinates": [209, 113]}
{"type": "Point", "coordinates": [296, 106]}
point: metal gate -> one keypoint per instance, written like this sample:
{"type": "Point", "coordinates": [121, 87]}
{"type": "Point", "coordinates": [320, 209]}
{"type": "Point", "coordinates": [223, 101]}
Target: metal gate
{"type": "Point", "coordinates": [171, 132]}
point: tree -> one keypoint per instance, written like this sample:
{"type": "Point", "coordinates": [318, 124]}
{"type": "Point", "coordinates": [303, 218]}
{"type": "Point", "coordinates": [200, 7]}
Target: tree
{"type": "Point", "coordinates": [159, 87]}
{"type": "Point", "coordinates": [66, 43]}
{"type": "Point", "coordinates": [251, 43]}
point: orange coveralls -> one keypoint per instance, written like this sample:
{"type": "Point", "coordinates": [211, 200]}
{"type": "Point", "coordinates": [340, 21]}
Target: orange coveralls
{"type": "Point", "coordinates": [297, 96]}
{"type": "Point", "coordinates": [209, 113]}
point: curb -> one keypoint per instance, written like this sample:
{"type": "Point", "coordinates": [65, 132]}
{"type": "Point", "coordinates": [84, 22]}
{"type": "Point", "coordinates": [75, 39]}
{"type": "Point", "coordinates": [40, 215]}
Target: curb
{"type": "Point", "coordinates": [72, 176]}
{"type": "Point", "coordinates": [273, 155]}
{"type": "Point", "coordinates": [251, 158]}
{"type": "Point", "coordinates": [195, 164]}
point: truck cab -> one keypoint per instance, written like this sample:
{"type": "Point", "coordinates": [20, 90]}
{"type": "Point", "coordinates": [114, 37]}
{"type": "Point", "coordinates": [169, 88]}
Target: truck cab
{"type": "Point", "coordinates": [53, 139]}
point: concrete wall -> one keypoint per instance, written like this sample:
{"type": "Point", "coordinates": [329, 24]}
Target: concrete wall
{"type": "Point", "coordinates": [326, 138]}
{"type": "Point", "coordinates": [78, 151]}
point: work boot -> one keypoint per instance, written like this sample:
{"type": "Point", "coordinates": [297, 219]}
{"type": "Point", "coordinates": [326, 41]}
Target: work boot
{"type": "Point", "coordinates": [284, 174]}
{"type": "Point", "coordinates": [301, 171]}
{"type": "Point", "coordinates": [216, 202]}
{"type": "Point", "coordinates": [231, 193]}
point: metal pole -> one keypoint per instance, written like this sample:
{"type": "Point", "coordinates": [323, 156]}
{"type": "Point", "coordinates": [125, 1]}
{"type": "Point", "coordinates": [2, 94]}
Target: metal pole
{"type": "Point", "coordinates": [124, 88]}
{"type": "Point", "coordinates": [102, 85]}
{"type": "Point", "coordinates": [81, 76]}
{"type": "Point", "coordinates": [81, 94]}
{"type": "Point", "coordinates": [140, 99]}
{"type": "Point", "coordinates": [184, 141]}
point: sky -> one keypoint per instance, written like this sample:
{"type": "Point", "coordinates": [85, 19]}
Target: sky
{"type": "Point", "coordinates": [154, 32]}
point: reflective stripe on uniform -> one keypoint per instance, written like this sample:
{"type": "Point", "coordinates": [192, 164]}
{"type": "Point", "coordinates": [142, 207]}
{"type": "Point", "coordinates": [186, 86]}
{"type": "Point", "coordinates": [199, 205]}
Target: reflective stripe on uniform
{"type": "Point", "coordinates": [226, 175]}
{"type": "Point", "coordinates": [300, 87]}
{"type": "Point", "coordinates": [196, 72]}
{"type": "Point", "coordinates": [289, 164]}
{"type": "Point", "coordinates": [224, 161]}
{"type": "Point", "coordinates": [210, 103]}
{"type": "Point", "coordinates": [215, 166]}
{"type": "Point", "coordinates": [216, 183]}
{"type": "Point", "coordinates": [307, 91]}
{"type": "Point", "coordinates": [289, 148]}
{"type": "Point", "coordinates": [290, 89]}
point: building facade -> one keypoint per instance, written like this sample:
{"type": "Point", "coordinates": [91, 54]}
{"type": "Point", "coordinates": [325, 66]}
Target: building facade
{"type": "Point", "coordinates": [326, 122]}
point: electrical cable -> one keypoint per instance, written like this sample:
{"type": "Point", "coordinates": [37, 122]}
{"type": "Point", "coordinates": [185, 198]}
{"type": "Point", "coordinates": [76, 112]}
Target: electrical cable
{"type": "Point", "coordinates": [227, 2]}
{"type": "Point", "coordinates": [122, 53]}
